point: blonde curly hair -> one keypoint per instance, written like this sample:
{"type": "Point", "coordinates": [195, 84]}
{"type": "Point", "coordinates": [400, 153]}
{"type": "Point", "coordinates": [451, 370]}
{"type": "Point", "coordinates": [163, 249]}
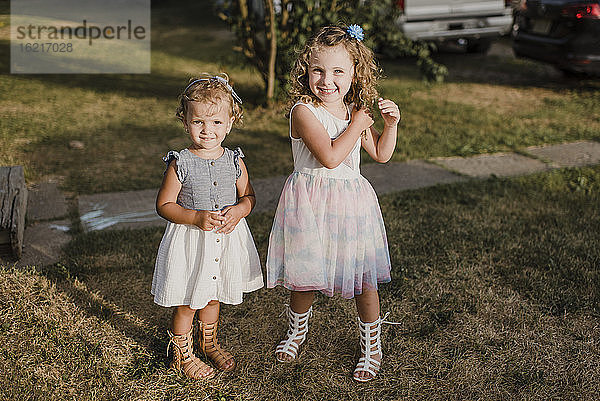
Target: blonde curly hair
{"type": "Point", "coordinates": [363, 91]}
{"type": "Point", "coordinates": [210, 89]}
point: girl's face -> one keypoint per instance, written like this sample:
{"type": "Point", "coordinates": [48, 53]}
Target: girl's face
{"type": "Point", "coordinates": [208, 124]}
{"type": "Point", "coordinates": [330, 73]}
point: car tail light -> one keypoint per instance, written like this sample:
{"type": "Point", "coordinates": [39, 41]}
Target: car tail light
{"type": "Point", "coordinates": [521, 5]}
{"type": "Point", "coordinates": [581, 11]}
{"type": "Point", "coordinates": [400, 5]}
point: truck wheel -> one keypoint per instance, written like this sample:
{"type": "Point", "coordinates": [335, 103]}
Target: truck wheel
{"type": "Point", "coordinates": [480, 46]}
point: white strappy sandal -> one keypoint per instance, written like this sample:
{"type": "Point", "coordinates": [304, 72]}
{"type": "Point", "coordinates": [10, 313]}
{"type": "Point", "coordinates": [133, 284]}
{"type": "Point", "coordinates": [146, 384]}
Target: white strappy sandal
{"type": "Point", "coordinates": [297, 330]}
{"type": "Point", "coordinates": [370, 346]}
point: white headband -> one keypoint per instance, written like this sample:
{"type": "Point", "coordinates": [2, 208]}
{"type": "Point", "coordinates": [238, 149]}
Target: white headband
{"type": "Point", "coordinates": [221, 80]}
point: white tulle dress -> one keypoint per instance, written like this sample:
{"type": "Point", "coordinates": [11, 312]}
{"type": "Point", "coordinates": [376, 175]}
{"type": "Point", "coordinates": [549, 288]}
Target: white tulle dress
{"type": "Point", "coordinates": [328, 234]}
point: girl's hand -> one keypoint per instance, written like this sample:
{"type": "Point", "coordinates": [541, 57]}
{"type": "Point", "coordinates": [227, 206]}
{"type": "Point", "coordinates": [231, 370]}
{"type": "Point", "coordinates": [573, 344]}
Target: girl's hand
{"type": "Point", "coordinates": [231, 217]}
{"type": "Point", "coordinates": [389, 112]}
{"type": "Point", "coordinates": [362, 117]}
{"type": "Point", "coordinates": [207, 220]}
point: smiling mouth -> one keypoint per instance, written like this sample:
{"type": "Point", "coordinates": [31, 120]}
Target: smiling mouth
{"type": "Point", "coordinates": [327, 91]}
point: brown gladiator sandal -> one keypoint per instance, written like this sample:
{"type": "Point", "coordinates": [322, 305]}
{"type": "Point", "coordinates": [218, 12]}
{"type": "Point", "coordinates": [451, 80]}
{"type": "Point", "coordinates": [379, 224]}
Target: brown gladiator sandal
{"type": "Point", "coordinates": [210, 347]}
{"type": "Point", "coordinates": [184, 359]}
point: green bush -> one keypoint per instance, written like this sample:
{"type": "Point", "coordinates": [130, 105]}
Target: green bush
{"type": "Point", "coordinates": [270, 33]}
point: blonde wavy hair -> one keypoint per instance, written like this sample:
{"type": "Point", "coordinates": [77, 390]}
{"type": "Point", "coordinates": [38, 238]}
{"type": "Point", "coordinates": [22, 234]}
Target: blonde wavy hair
{"type": "Point", "coordinates": [363, 91]}
{"type": "Point", "coordinates": [209, 89]}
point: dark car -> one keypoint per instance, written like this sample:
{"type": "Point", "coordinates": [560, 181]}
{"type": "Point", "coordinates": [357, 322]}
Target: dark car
{"type": "Point", "coordinates": [565, 33]}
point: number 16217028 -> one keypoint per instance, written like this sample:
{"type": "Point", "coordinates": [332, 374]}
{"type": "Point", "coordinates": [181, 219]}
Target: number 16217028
{"type": "Point", "coordinates": [46, 47]}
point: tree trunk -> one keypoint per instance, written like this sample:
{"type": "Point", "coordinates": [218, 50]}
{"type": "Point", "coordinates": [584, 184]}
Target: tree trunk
{"type": "Point", "coordinates": [272, 39]}
{"type": "Point", "coordinates": [285, 16]}
{"type": "Point", "coordinates": [13, 206]}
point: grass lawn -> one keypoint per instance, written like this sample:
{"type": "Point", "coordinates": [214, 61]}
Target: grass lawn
{"type": "Point", "coordinates": [496, 284]}
{"type": "Point", "coordinates": [126, 122]}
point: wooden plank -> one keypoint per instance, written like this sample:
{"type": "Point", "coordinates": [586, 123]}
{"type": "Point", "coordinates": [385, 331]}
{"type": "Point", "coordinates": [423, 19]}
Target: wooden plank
{"type": "Point", "coordinates": [4, 237]}
{"type": "Point", "coordinates": [5, 249]}
{"type": "Point", "coordinates": [13, 206]}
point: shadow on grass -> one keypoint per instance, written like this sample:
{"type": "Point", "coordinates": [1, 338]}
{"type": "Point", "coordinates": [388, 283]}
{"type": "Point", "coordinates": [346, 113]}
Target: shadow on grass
{"type": "Point", "coordinates": [134, 85]}
{"type": "Point", "coordinates": [501, 69]}
{"type": "Point", "coordinates": [540, 242]}
{"type": "Point", "coordinates": [153, 85]}
{"type": "Point", "coordinates": [186, 31]}
{"type": "Point", "coordinates": [108, 275]}
{"type": "Point", "coordinates": [537, 235]}
{"type": "Point", "coordinates": [111, 158]}
{"type": "Point", "coordinates": [495, 282]}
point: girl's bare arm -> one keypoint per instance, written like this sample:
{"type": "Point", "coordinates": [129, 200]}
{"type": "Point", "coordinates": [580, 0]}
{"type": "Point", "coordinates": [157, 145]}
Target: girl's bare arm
{"type": "Point", "coordinates": [381, 146]}
{"type": "Point", "coordinates": [246, 201]}
{"type": "Point", "coordinates": [330, 153]}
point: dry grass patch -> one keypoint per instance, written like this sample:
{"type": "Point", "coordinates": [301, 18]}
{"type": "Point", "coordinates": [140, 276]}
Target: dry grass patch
{"type": "Point", "coordinates": [126, 122]}
{"type": "Point", "coordinates": [495, 283]}
{"type": "Point", "coordinates": [499, 99]}
{"type": "Point", "coordinates": [51, 348]}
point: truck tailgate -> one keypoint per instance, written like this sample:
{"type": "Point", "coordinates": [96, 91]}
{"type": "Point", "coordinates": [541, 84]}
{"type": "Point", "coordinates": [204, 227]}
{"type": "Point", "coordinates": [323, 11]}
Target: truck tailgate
{"type": "Point", "coordinates": [431, 9]}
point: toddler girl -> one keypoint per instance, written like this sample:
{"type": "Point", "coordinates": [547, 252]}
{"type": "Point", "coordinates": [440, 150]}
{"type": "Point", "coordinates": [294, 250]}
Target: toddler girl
{"type": "Point", "coordinates": [207, 254]}
{"type": "Point", "coordinates": [328, 234]}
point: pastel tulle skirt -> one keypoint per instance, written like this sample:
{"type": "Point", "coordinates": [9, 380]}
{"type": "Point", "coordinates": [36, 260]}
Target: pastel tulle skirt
{"type": "Point", "coordinates": [194, 266]}
{"type": "Point", "coordinates": [328, 235]}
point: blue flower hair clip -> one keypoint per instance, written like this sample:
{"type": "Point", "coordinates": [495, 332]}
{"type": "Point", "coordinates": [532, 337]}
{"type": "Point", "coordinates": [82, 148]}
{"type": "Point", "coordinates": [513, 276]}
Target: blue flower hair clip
{"type": "Point", "coordinates": [356, 32]}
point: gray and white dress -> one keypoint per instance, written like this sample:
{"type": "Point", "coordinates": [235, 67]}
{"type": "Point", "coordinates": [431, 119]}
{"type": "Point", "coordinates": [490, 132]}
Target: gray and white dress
{"type": "Point", "coordinates": [194, 266]}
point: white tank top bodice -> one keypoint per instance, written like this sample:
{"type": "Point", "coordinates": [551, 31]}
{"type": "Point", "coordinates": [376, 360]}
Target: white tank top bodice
{"type": "Point", "coordinates": [305, 162]}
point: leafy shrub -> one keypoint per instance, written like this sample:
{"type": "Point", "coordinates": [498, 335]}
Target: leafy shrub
{"type": "Point", "coordinates": [270, 32]}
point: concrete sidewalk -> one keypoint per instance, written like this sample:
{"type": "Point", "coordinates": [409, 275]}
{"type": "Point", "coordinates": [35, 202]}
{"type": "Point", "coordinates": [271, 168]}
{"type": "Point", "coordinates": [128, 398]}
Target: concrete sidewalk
{"type": "Point", "coordinates": [48, 227]}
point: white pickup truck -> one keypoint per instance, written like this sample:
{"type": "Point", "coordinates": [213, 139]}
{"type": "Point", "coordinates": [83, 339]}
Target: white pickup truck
{"type": "Point", "coordinates": [471, 23]}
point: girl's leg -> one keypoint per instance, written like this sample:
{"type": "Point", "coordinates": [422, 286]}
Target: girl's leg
{"type": "Point", "coordinates": [210, 313]}
{"type": "Point", "coordinates": [181, 338]}
{"type": "Point", "coordinates": [208, 318]}
{"type": "Point", "coordinates": [181, 322]}
{"type": "Point", "coordinates": [300, 303]}
{"type": "Point", "coordinates": [367, 305]}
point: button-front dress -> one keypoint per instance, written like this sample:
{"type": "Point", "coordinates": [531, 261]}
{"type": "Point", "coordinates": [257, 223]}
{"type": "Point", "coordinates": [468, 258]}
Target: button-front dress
{"type": "Point", "coordinates": [328, 234]}
{"type": "Point", "coordinates": [194, 266]}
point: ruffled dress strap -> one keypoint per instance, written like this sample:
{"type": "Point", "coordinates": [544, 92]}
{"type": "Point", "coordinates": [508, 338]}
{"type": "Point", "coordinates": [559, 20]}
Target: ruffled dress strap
{"type": "Point", "coordinates": [237, 153]}
{"type": "Point", "coordinates": [170, 156]}
{"type": "Point", "coordinates": [179, 165]}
